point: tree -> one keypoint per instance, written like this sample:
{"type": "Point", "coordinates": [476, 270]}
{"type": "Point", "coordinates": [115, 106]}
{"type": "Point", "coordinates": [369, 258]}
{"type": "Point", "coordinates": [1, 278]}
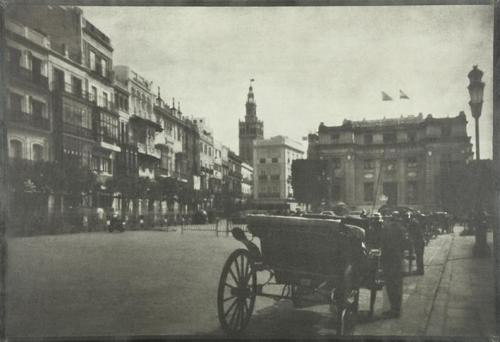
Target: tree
{"type": "Point", "coordinates": [309, 180]}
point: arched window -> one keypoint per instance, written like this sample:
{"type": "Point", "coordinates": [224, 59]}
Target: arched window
{"type": "Point", "coordinates": [16, 148]}
{"type": "Point", "coordinates": [37, 152]}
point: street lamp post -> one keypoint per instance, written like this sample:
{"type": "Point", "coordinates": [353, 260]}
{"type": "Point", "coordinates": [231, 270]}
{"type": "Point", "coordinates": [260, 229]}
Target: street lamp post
{"type": "Point", "coordinates": [476, 89]}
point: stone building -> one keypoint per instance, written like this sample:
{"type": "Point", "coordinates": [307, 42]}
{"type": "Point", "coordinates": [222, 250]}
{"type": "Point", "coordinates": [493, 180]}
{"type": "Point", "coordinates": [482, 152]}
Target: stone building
{"type": "Point", "coordinates": [143, 120]}
{"type": "Point", "coordinates": [390, 161]}
{"type": "Point", "coordinates": [273, 171]}
{"type": "Point", "coordinates": [28, 113]}
{"type": "Point", "coordinates": [252, 129]}
{"type": "Point", "coordinates": [207, 156]}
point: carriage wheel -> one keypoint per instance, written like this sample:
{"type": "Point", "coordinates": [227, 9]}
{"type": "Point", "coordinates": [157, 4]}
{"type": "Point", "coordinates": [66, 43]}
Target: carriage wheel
{"type": "Point", "coordinates": [344, 303]}
{"type": "Point", "coordinates": [236, 292]}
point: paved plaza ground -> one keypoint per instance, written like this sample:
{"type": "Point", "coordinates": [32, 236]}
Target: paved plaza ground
{"type": "Point", "coordinates": [144, 283]}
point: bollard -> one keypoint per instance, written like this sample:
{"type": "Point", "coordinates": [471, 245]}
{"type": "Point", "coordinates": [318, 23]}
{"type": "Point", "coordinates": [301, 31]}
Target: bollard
{"type": "Point", "coordinates": [227, 227]}
{"type": "Point", "coordinates": [217, 227]}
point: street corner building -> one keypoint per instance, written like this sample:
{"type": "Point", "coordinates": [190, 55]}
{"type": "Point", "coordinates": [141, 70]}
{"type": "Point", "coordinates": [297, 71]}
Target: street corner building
{"type": "Point", "coordinates": [398, 162]}
{"type": "Point", "coordinates": [272, 160]}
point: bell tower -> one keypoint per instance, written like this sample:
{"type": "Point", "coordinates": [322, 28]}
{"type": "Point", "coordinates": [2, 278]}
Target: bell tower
{"type": "Point", "coordinates": [251, 128]}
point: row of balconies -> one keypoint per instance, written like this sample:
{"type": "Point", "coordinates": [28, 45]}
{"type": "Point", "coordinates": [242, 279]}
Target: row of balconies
{"type": "Point", "coordinates": [27, 75]}
{"type": "Point", "coordinates": [79, 92]}
{"type": "Point", "coordinates": [27, 33]}
{"type": "Point", "coordinates": [32, 120]}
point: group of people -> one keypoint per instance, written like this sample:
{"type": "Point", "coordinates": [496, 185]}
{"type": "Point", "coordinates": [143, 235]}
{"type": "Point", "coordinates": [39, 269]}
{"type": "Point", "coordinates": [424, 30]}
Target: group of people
{"type": "Point", "coordinates": [393, 235]}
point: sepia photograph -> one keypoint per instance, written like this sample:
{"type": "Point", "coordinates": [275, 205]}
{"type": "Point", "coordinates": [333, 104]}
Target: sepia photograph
{"type": "Point", "coordinates": [240, 171]}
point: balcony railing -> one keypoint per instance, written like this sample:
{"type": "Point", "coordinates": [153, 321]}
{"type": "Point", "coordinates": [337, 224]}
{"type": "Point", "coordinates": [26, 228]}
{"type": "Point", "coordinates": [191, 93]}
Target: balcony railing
{"type": "Point", "coordinates": [27, 33]}
{"type": "Point", "coordinates": [102, 102]}
{"type": "Point", "coordinates": [148, 149]}
{"type": "Point", "coordinates": [97, 72]}
{"type": "Point", "coordinates": [78, 131]}
{"type": "Point", "coordinates": [28, 76]}
{"type": "Point", "coordinates": [181, 175]}
{"type": "Point", "coordinates": [36, 121]}
{"type": "Point", "coordinates": [72, 89]}
{"type": "Point", "coordinates": [162, 172]}
{"type": "Point", "coordinates": [107, 138]}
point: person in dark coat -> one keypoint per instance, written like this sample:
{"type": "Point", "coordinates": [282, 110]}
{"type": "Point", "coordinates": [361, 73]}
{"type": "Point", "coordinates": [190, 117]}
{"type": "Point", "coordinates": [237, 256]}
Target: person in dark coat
{"type": "Point", "coordinates": [416, 230]}
{"type": "Point", "coordinates": [392, 245]}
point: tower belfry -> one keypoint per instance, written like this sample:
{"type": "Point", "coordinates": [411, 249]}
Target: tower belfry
{"type": "Point", "coordinates": [251, 129]}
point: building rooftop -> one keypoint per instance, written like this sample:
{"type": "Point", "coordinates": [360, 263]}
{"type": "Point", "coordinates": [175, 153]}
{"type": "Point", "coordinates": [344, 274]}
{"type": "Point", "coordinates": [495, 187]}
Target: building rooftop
{"type": "Point", "coordinates": [409, 120]}
{"type": "Point", "coordinates": [278, 141]}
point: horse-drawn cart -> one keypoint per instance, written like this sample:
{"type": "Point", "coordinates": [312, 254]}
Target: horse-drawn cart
{"type": "Point", "coordinates": [304, 256]}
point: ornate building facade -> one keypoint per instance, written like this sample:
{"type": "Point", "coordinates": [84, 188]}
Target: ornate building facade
{"type": "Point", "coordinates": [251, 129]}
{"type": "Point", "coordinates": [390, 161]}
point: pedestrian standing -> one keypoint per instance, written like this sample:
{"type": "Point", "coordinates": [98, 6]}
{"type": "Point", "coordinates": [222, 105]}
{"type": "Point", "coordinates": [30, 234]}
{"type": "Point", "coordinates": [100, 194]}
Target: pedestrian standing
{"type": "Point", "coordinates": [416, 230]}
{"type": "Point", "coordinates": [392, 243]}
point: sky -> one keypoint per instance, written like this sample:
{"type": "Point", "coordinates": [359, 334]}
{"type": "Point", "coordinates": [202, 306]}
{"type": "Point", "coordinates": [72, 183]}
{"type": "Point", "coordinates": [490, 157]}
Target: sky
{"type": "Point", "coordinates": [310, 64]}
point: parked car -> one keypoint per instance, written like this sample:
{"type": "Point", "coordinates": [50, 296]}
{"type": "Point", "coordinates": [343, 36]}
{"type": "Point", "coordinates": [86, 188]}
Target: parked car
{"type": "Point", "coordinates": [328, 213]}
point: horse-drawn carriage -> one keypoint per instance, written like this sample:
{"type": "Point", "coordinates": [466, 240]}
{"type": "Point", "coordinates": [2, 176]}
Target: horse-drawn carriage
{"type": "Point", "coordinates": [303, 255]}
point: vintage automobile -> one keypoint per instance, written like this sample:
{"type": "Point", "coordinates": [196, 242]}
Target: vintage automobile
{"type": "Point", "coordinates": [304, 256]}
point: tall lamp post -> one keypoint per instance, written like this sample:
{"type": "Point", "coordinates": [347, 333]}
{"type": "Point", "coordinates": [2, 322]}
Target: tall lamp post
{"type": "Point", "coordinates": [476, 89]}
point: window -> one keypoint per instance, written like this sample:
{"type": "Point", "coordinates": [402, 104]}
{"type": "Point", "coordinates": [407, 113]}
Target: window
{"type": "Point", "coordinates": [368, 139]}
{"type": "Point", "coordinates": [275, 177]}
{"type": "Point", "coordinates": [37, 108]}
{"type": "Point", "coordinates": [76, 86]}
{"type": "Point", "coordinates": [412, 192]}
{"type": "Point", "coordinates": [94, 94]}
{"type": "Point", "coordinates": [336, 164]}
{"type": "Point", "coordinates": [262, 177]}
{"type": "Point", "coordinates": [412, 137]}
{"type": "Point", "coordinates": [105, 99]}
{"type": "Point", "coordinates": [335, 137]}
{"type": "Point", "coordinates": [16, 148]}
{"type": "Point", "coordinates": [274, 160]}
{"type": "Point", "coordinates": [94, 163]}
{"type": "Point", "coordinates": [106, 165]}
{"type": "Point", "coordinates": [109, 126]}
{"type": "Point", "coordinates": [14, 58]}
{"type": "Point", "coordinates": [390, 166]}
{"type": "Point", "coordinates": [412, 162]}
{"type": "Point", "coordinates": [389, 138]}
{"type": "Point", "coordinates": [262, 160]}
{"type": "Point", "coordinates": [368, 192]}
{"type": "Point", "coordinates": [92, 60]}
{"type": "Point", "coordinates": [103, 67]}
{"type": "Point", "coordinates": [77, 116]}
{"type": "Point", "coordinates": [16, 101]}
{"type": "Point", "coordinates": [445, 131]}
{"type": "Point", "coordinates": [37, 152]}
{"type": "Point", "coordinates": [36, 68]}
{"type": "Point", "coordinates": [369, 164]}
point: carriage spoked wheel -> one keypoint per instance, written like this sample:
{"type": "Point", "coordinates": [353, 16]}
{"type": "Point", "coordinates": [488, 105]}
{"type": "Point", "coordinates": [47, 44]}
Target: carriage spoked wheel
{"type": "Point", "coordinates": [236, 293]}
{"type": "Point", "coordinates": [344, 303]}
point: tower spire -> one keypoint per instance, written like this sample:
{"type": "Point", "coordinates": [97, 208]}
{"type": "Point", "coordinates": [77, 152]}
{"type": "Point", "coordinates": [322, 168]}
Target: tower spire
{"type": "Point", "coordinates": [251, 106]}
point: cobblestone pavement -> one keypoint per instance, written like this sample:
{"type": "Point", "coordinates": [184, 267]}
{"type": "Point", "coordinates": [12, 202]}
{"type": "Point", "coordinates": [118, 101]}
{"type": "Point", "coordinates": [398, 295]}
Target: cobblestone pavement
{"type": "Point", "coordinates": [161, 283]}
